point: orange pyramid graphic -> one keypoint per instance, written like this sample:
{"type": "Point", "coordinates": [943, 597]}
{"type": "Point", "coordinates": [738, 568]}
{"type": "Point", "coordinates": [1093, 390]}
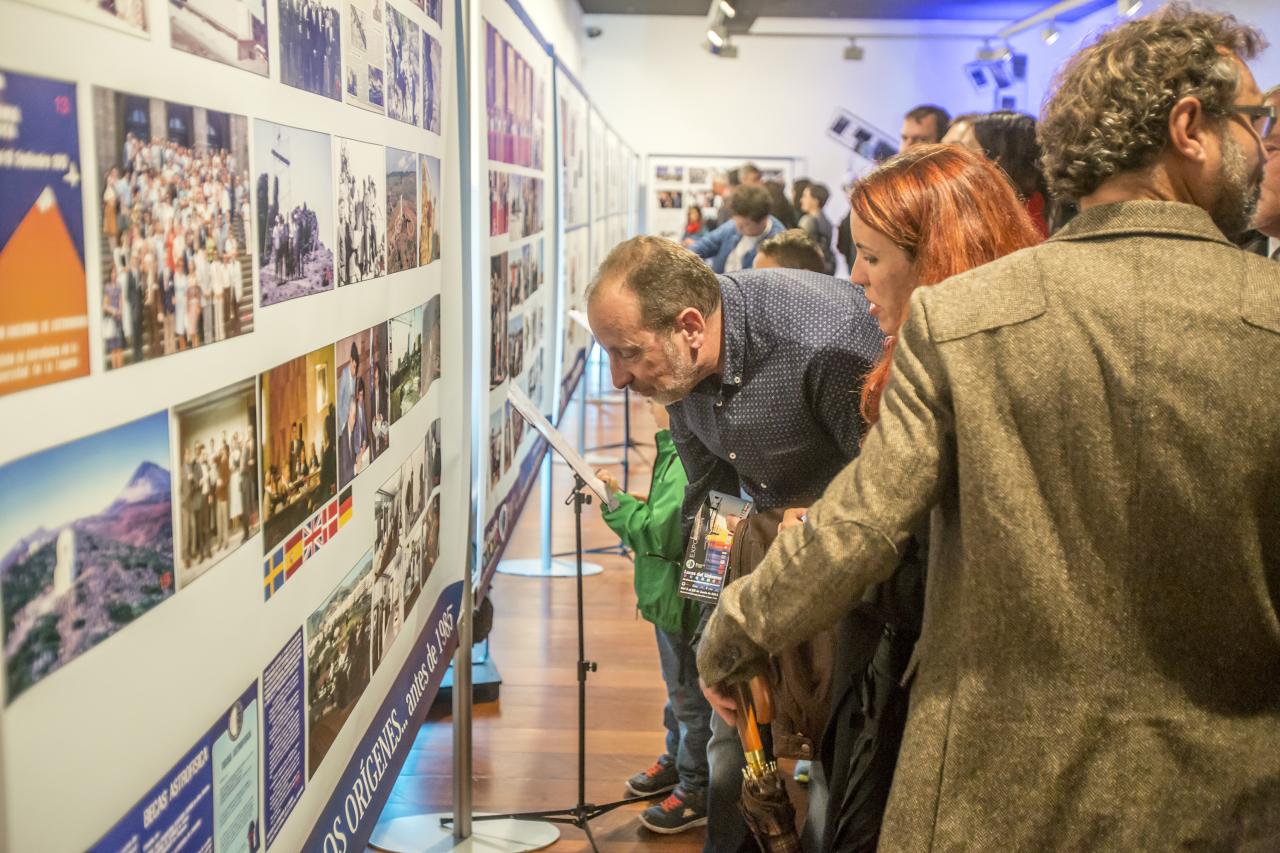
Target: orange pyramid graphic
{"type": "Point", "coordinates": [42, 281]}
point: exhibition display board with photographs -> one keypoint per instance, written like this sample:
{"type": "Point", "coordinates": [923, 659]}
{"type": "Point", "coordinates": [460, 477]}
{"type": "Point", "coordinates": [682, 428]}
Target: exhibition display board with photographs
{"type": "Point", "coordinates": [575, 245]}
{"type": "Point", "coordinates": [683, 199]}
{"type": "Point", "coordinates": [235, 478]}
{"type": "Point", "coordinates": [521, 247]}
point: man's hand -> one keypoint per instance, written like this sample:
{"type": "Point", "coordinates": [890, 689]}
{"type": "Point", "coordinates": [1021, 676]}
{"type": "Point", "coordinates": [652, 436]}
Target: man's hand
{"type": "Point", "coordinates": [610, 482]}
{"type": "Point", "coordinates": [792, 517]}
{"type": "Point", "coordinates": [722, 701]}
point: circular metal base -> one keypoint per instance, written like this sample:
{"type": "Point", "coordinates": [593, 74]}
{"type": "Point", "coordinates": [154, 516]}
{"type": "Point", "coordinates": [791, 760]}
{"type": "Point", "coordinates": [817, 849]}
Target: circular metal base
{"type": "Point", "coordinates": [424, 834]}
{"type": "Point", "coordinates": [536, 569]}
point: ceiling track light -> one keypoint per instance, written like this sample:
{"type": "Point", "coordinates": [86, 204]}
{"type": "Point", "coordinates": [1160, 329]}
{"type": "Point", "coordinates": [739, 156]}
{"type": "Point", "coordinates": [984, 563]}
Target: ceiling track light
{"type": "Point", "coordinates": [727, 9]}
{"type": "Point", "coordinates": [1128, 8]}
{"type": "Point", "coordinates": [993, 54]}
{"type": "Point", "coordinates": [854, 52]}
{"type": "Point", "coordinates": [1050, 33]}
{"type": "Point", "coordinates": [716, 35]}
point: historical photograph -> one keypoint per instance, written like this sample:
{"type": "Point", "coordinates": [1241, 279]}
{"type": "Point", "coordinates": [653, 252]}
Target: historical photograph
{"type": "Point", "coordinates": [310, 46]}
{"type": "Point", "coordinates": [402, 210]}
{"type": "Point", "coordinates": [216, 481]}
{"type": "Point", "coordinates": [299, 462]}
{"type": "Point", "coordinates": [497, 420]}
{"type": "Point", "coordinates": [176, 271]}
{"type": "Point", "coordinates": [668, 173]}
{"type": "Point", "coordinates": [364, 427]}
{"type": "Point", "coordinates": [44, 311]}
{"type": "Point", "coordinates": [294, 200]}
{"type": "Point", "coordinates": [668, 199]}
{"type": "Point", "coordinates": [339, 658]}
{"type": "Point", "coordinates": [404, 67]}
{"type": "Point", "coordinates": [431, 534]}
{"type": "Point", "coordinates": [233, 32]}
{"type": "Point", "coordinates": [497, 319]}
{"type": "Point", "coordinates": [524, 202]}
{"type": "Point", "coordinates": [498, 206]}
{"type": "Point", "coordinates": [515, 346]}
{"type": "Point", "coordinates": [432, 75]}
{"type": "Point", "coordinates": [432, 445]}
{"type": "Point", "coordinates": [430, 343]}
{"type": "Point", "coordinates": [429, 219]}
{"type": "Point", "coordinates": [404, 335]}
{"type": "Point", "coordinates": [364, 34]}
{"type": "Point", "coordinates": [697, 175]}
{"type": "Point", "coordinates": [362, 177]}
{"type": "Point", "coordinates": [86, 534]}
{"type": "Point", "coordinates": [514, 96]}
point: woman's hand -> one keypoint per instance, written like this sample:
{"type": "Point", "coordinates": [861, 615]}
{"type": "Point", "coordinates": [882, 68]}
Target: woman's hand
{"type": "Point", "coordinates": [792, 517]}
{"type": "Point", "coordinates": [610, 482]}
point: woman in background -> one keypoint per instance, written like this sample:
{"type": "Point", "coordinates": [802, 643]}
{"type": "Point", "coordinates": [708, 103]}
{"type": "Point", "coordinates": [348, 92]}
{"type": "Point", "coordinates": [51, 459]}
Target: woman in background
{"type": "Point", "coordinates": [693, 224]}
{"type": "Point", "coordinates": [1009, 139]}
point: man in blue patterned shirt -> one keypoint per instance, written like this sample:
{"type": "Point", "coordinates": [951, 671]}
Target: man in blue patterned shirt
{"type": "Point", "coordinates": [760, 372]}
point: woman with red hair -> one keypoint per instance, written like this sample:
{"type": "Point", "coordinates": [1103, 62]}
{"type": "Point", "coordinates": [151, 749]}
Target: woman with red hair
{"type": "Point", "coordinates": [926, 215]}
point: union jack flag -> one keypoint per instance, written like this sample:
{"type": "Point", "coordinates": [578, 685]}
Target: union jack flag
{"type": "Point", "coordinates": [314, 534]}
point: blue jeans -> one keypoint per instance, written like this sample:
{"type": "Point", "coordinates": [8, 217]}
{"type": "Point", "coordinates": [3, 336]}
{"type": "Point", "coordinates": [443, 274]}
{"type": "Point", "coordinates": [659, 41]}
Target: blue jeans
{"type": "Point", "coordinates": [687, 714]}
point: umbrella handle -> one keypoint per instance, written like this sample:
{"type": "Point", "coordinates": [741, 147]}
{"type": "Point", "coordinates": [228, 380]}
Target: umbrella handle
{"type": "Point", "coordinates": [755, 708]}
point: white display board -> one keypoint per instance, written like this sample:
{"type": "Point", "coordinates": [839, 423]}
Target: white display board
{"type": "Point", "coordinates": [514, 105]}
{"type": "Point", "coordinates": [674, 183]}
{"type": "Point", "coordinates": [575, 235]}
{"type": "Point", "coordinates": [228, 590]}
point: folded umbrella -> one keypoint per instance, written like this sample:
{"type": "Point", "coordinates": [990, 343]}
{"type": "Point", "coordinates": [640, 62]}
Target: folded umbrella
{"type": "Point", "coordinates": [765, 805]}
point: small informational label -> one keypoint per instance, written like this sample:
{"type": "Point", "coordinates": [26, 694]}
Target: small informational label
{"type": "Point", "coordinates": [707, 558]}
{"type": "Point", "coordinates": [282, 725]}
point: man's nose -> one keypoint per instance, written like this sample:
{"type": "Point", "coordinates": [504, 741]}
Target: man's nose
{"type": "Point", "coordinates": [621, 378]}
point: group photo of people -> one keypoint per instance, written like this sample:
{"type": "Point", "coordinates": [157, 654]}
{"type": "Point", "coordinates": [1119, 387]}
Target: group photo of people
{"type": "Point", "coordinates": [515, 95]}
{"type": "Point", "coordinates": [404, 67]}
{"type": "Point", "coordinates": [362, 176]}
{"type": "Point", "coordinates": [310, 53]}
{"type": "Point", "coordinates": [217, 488]}
{"type": "Point", "coordinates": [175, 227]}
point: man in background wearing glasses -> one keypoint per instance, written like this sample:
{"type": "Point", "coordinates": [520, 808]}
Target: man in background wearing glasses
{"type": "Point", "coordinates": [1265, 238]}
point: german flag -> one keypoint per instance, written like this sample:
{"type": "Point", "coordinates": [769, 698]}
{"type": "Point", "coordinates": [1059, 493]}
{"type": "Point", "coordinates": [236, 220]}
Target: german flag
{"type": "Point", "coordinates": [293, 554]}
{"type": "Point", "coordinates": [344, 507]}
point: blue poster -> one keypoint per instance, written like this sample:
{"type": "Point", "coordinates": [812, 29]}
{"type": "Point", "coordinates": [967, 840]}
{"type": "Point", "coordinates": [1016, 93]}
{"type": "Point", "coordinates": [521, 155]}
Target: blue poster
{"type": "Point", "coordinates": [208, 802]}
{"type": "Point", "coordinates": [282, 727]}
{"type": "Point", "coordinates": [43, 304]}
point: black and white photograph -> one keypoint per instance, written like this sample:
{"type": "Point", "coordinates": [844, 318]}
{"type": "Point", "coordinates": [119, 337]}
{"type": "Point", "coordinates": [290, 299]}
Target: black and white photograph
{"type": "Point", "coordinates": [432, 445]}
{"type": "Point", "coordinates": [515, 346]}
{"type": "Point", "coordinates": [294, 171]}
{"type": "Point", "coordinates": [217, 477]}
{"type": "Point", "coordinates": [176, 251]}
{"type": "Point", "coordinates": [404, 67]}
{"type": "Point", "coordinates": [311, 46]}
{"type": "Point", "coordinates": [697, 175]}
{"type": "Point", "coordinates": [364, 36]}
{"type": "Point", "coordinates": [402, 210]}
{"type": "Point", "coordinates": [432, 74]}
{"type": "Point", "coordinates": [497, 444]}
{"type": "Point", "coordinates": [233, 32]}
{"type": "Point", "coordinates": [362, 178]}
{"type": "Point", "coordinates": [364, 429]}
{"type": "Point", "coordinates": [525, 203]}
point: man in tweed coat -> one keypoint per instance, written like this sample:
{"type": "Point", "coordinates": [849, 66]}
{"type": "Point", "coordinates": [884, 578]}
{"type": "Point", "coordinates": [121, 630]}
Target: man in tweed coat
{"type": "Point", "coordinates": [1094, 426]}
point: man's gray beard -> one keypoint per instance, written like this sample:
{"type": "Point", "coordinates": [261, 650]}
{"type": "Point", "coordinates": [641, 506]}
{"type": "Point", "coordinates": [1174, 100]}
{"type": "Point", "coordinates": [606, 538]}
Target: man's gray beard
{"type": "Point", "coordinates": [684, 377]}
{"type": "Point", "coordinates": [1237, 191]}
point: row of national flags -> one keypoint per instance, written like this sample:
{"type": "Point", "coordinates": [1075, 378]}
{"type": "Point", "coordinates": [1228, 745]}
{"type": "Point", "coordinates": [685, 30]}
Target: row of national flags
{"type": "Point", "coordinates": [305, 543]}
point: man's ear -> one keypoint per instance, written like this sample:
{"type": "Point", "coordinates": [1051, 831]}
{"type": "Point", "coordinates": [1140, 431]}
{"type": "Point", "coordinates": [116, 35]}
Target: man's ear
{"type": "Point", "coordinates": [692, 325]}
{"type": "Point", "coordinates": [1189, 129]}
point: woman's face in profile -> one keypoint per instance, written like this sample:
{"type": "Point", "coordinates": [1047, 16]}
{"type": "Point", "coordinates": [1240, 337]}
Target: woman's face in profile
{"type": "Point", "coordinates": [886, 274]}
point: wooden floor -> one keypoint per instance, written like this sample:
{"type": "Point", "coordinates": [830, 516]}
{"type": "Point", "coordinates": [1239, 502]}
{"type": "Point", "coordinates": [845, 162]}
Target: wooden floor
{"type": "Point", "coordinates": [525, 745]}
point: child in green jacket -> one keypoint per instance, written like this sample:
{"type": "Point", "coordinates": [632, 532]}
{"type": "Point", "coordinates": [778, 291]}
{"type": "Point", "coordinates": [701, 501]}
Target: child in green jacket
{"type": "Point", "coordinates": [650, 528]}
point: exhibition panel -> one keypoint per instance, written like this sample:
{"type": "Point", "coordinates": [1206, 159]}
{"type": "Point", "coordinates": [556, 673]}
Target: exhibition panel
{"type": "Point", "coordinates": [575, 212]}
{"type": "Point", "coordinates": [674, 183]}
{"type": "Point", "coordinates": [515, 107]}
{"type": "Point", "coordinates": [236, 470]}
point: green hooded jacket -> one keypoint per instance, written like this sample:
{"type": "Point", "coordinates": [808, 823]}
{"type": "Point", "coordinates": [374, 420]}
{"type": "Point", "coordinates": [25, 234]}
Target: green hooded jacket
{"type": "Point", "coordinates": [651, 530]}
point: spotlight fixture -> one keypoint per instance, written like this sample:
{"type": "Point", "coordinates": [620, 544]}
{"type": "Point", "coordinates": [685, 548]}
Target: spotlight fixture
{"type": "Point", "coordinates": [993, 54]}
{"type": "Point", "coordinates": [716, 36]}
{"type": "Point", "coordinates": [727, 8]}
{"type": "Point", "coordinates": [853, 52]}
{"type": "Point", "coordinates": [1128, 8]}
{"type": "Point", "coordinates": [1050, 34]}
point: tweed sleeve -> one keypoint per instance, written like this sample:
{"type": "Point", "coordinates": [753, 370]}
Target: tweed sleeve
{"type": "Point", "coordinates": [817, 571]}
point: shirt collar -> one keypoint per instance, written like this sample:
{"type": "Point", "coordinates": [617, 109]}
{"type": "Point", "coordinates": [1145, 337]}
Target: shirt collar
{"type": "Point", "coordinates": [1273, 247]}
{"type": "Point", "coordinates": [1142, 217]}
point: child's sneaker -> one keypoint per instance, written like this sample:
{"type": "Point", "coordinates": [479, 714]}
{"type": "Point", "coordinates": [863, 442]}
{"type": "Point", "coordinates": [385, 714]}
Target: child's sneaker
{"type": "Point", "coordinates": [678, 812]}
{"type": "Point", "coordinates": [659, 778]}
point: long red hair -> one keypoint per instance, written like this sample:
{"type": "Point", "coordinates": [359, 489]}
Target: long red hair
{"type": "Point", "coordinates": [950, 210]}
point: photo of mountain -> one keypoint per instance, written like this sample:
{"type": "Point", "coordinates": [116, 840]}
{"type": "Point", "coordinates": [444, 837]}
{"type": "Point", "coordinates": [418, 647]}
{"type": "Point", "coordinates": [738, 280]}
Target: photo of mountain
{"type": "Point", "coordinates": [86, 533]}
